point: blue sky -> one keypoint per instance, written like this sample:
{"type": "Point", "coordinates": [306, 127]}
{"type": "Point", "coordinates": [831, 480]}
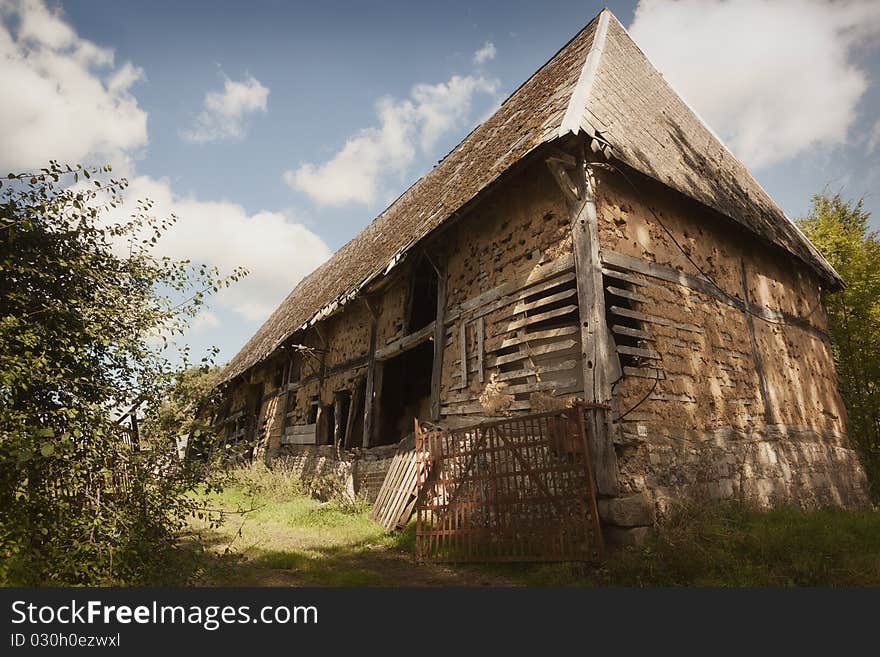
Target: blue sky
{"type": "Point", "coordinates": [277, 130]}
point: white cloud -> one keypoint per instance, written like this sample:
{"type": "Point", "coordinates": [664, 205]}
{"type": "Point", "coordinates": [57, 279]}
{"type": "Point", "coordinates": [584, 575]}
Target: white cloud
{"type": "Point", "coordinates": [204, 321]}
{"type": "Point", "coordinates": [772, 77]}
{"type": "Point", "coordinates": [874, 137]}
{"type": "Point", "coordinates": [64, 97]}
{"type": "Point", "coordinates": [354, 174]}
{"type": "Point", "coordinates": [485, 54]}
{"type": "Point", "coordinates": [276, 250]}
{"type": "Point", "coordinates": [223, 113]}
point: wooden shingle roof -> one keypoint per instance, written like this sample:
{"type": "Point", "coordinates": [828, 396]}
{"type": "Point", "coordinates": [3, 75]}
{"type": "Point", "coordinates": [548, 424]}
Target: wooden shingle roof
{"type": "Point", "coordinates": [599, 83]}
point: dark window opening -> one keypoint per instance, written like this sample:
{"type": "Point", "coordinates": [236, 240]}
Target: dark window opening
{"type": "Point", "coordinates": [326, 425]}
{"type": "Point", "coordinates": [342, 408]}
{"type": "Point", "coordinates": [312, 417]}
{"type": "Point", "coordinates": [355, 425]}
{"type": "Point", "coordinates": [295, 369]}
{"type": "Point", "coordinates": [423, 296]}
{"type": "Point", "coordinates": [405, 394]}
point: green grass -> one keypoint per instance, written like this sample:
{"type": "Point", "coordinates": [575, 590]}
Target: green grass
{"type": "Point", "coordinates": [287, 538]}
{"type": "Point", "coordinates": [729, 545]}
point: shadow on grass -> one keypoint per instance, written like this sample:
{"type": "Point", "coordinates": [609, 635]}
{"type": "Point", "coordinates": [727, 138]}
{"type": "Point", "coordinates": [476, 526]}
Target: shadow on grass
{"type": "Point", "coordinates": [726, 545]}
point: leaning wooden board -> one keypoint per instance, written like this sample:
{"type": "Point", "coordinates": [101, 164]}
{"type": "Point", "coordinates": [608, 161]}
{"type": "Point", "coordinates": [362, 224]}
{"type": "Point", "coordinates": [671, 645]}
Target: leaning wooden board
{"type": "Point", "coordinates": [397, 496]}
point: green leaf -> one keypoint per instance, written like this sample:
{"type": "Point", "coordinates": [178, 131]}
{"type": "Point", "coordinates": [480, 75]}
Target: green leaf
{"type": "Point", "coordinates": [47, 449]}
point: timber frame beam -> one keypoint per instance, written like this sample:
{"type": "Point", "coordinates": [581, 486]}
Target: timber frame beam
{"type": "Point", "coordinates": [576, 182]}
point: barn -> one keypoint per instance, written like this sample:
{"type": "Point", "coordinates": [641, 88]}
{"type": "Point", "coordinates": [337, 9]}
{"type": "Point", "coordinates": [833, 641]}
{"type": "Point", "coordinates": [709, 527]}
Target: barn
{"type": "Point", "coordinates": [592, 240]}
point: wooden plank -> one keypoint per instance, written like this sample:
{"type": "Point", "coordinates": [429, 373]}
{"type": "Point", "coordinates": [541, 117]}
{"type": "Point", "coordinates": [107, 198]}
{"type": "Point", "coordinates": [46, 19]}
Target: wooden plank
{"type": "Point", "coordinates": [371, 375]}
{"type": "Point", "coordinates": [626, 294]}
{"type": "Point", "coordinates": [538, 303]}
{"type": "Point", "coordinates": [631, 332]}
{"type": "Point", "coordinates": [637, 351]}
{"type": "Point", "coordinates": [439, 341]}
{"type": "Point", "coordinates": [481, 349]}
{"type": "Point", "coordinates": [301, 429]}
{"type": "Point", "coordinates": [756, 355]}
{"type": "Point", "coordinates": [538, 369]}
{"type": "Point", "coordinates": [562, 345]}
{"type": "Point", "coordinates": [629, 278]}
{"type": "Point", "coordinates": [406, 342]}
{"type": "Point", "coordinates": [537, 335]}
{"type": "Point", "coordinates": [707, 287]}
{"type": "Point", "coordinates": [540, 385]}
{"type": "Point", "coordinates": [644, 372]}
{"type": "Point", "coordinates": [462, 342]}
{"type": "Point", "coordinates": [654, 270]}
{"type": "Point", "coordinates": [539, 279]}
{"type": "Point", "coordinates": [534, 319]}
{"type": "Point", "coordinates": [476, 408]}
{"type": "Point", "coordinates": [596, 352]}
{"type": "Point", "coordinates": [653, 319]}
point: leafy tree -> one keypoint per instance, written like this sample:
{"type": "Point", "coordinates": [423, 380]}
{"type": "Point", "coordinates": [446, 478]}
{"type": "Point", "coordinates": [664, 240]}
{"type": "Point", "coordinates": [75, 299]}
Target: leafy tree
{"type": "Point", "coordinates": [841, 232]}
{"type": "Point", "coordinates": [188, 403]}
{"type": "Point", "coordinates": [88, 316]}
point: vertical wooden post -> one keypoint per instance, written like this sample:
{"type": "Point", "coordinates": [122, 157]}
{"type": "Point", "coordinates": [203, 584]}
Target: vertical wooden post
{"type": "Point", "coordinates": [353, 409]}
{"type": "Point", "coordinates": [338, 422]}
{"type": "Point", "coordinates": [371, 373]}
{"type": "Point", "coordinates": [594, 338]}
{"type": "Point", "coordinates": [462, 343]}
{"type": "Point", "coordinates": [481, 348]}
{"type": "Point", "coordinates": [756, 356]}
{"type": "Point", "coordinates": [439, 337]}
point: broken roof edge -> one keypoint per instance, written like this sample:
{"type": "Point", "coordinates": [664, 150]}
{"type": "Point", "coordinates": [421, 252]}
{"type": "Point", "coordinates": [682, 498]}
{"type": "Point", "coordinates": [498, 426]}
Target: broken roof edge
{"type": "Point", "coordinates": [338, 303]}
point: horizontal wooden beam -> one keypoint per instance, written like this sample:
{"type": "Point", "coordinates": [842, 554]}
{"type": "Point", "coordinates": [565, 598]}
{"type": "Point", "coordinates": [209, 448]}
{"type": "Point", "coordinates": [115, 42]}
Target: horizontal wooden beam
{"type": "Point", "coordinates": [406, 342]}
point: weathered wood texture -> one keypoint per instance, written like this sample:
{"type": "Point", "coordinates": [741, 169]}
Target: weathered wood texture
{"type": "Point", "coordinates": [596, 350]}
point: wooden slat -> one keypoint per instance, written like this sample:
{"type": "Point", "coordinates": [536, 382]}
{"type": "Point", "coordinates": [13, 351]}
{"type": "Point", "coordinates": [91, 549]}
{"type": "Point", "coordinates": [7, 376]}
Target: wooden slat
{"type": "Point", "coordinates": [538, 303]}
{"type": "Point", "coordinates": [562, 345]}
{"type": "Point", "coordinates": [537, 335]}
{"type": "Point", "coordinates": [534, 319]}
{"type": "Point", "coordinates": [626, 294]}
{"type": "Point", "coordinates": [396, 498]}
{"type": "Point", "coordinates": [645, 317]}
{"type": "Point", "coordinates": [629, 278]}
{"type": "Point", "coordinates": [644, 372]}
{"type": "Point", "coordinates": [631, 332]}
{"type": "Point", "coordinates": [538, 369]}
{"type": "Point", "coordinates": [540, 385]}
{"type": "Point", "coordinates": [636, 351]}
{"type": "Point", "coordinates": [510, 292]}
{"type": "Point", "coordinates": [470, 409]}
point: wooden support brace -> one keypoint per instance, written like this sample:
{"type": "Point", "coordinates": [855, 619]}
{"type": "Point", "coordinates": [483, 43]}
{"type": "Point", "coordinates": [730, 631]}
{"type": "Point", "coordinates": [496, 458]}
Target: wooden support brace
{"type": "Point", "coordinates": [371, 373]}
{"type": "Point", "coordinates": [596, 351]}
{"type": "Point", "coordinates": [756, 355]}
{"type": "Point", "coordinates": [439, 337]}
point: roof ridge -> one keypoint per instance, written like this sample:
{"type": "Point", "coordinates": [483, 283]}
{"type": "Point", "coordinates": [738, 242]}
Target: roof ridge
{"type": "Point", "coordinates": [577, 104]}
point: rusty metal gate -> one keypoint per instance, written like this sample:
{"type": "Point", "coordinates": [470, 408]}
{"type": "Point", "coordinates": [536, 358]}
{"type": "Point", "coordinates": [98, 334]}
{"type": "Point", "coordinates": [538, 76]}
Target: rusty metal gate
{"type": "Point", "coordinates": [518, 489]}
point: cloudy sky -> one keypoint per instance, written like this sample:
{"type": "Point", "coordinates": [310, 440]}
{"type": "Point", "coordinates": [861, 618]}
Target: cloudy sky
{"type": "Point", "coordinates": [276, 130]}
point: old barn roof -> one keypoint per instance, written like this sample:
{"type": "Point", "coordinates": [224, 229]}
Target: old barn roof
{"type": "Point", "coordinates": [600, 82]}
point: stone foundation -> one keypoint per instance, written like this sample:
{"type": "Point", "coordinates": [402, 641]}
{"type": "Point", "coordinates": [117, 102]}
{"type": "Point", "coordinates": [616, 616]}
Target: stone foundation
{"type": "Point", "coordinates": [776, 466]}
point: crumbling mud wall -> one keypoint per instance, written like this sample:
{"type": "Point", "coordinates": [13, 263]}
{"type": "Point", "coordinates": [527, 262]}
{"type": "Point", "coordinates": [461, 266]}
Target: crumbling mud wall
{"type": "Point", "coordinates": [729, 388]}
